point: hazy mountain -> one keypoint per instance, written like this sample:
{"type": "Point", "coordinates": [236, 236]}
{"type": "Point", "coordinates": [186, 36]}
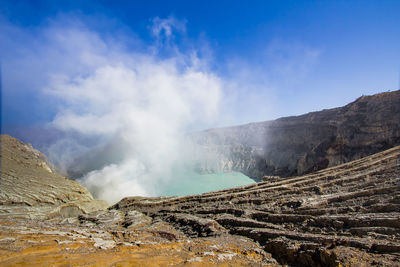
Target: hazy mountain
{"type": "Point", "coordinates": [302, 144]}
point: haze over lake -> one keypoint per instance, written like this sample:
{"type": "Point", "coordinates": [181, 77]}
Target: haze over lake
{"type": "Point", "coordinates": [191, 183]}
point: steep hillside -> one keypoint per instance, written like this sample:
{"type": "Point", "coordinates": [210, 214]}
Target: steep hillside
{"type": "Point", "coordinates": [302, 144]}
{"type": "Point", "coordinates": [30, 188]}
{"type": "Point", "coordinates": [348, 214]}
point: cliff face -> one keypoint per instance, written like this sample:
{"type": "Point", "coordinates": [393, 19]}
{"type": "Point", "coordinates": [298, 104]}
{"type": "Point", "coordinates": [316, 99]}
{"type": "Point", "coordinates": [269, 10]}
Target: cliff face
{"type": "Point", "coordinates": [30, 188]}
{"type": "Point", "coordinates": [302, 144]}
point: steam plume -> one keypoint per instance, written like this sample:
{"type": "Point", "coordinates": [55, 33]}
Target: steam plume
{"type": "Point", "coordinates": [145, 102]}
{"type": "Point", "coordinates": [115, 92]}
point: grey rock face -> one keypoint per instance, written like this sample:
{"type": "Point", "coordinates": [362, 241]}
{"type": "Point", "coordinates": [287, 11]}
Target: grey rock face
{"type": "Point", "coordinates": [303, 144]}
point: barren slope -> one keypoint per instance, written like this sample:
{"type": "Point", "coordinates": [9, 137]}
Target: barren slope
{"type": "Point", "coordinates": [29, 188]}
{"type": "Point", "coordinates": [346, 214]}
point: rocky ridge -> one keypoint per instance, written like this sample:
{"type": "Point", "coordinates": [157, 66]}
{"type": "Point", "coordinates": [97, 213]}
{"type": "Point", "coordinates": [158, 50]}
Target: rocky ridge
{"type": "Point", "coordinates": [30, 187]}
{"type": "Point", "coordinates": [302, 144]}
{"type": "Point", "coordinates": [348, 214]}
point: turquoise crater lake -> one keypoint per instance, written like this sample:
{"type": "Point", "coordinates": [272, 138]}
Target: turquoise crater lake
{"type": "Point", "coordinates": [191, 183]}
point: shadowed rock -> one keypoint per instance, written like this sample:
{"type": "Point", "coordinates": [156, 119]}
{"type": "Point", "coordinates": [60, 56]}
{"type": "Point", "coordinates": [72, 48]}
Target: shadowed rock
{"type": "Point", "coordinates": [302, 144]}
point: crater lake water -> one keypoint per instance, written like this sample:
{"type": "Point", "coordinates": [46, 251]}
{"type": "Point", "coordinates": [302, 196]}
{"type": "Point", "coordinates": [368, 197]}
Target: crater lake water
{"type": "Point", "coordinates": [191, 183]}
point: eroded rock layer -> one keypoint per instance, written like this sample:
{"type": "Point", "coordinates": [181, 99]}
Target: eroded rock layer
{"type": "Point", "coordinates": [30, 187]}
{"type": "Point", "coordinates": [348, 214]}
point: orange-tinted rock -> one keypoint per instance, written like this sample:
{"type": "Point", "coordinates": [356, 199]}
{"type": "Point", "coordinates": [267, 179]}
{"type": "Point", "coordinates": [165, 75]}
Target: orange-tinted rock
{"type": "Point", "coordinates": [33, 243]}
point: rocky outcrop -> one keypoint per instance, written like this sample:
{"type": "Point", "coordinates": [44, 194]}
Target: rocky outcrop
{"type": "Point", "coordinates": [348, 214]}
{"type": "Point", "coordinates": [303, 144]}
{"type": "Point", "coordinates": [31, 188]}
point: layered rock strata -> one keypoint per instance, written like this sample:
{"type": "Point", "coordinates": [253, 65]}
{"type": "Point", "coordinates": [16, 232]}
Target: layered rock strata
{"type": "Point", "coordinates": [302, 144]}
{"type": "Point", "coordinates": [348, 214]}
{"type": "Point", "coordinates": [30, 187]}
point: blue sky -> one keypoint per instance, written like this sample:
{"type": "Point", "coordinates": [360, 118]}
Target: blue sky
{"type": "Point", "coordinates": [279, 58]}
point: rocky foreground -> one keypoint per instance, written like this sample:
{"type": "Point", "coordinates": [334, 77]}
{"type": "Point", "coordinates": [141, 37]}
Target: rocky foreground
{"type": "Point", "coordinates": [49, 220]}
{"type": "Point", "coordinates": [348, 215]}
